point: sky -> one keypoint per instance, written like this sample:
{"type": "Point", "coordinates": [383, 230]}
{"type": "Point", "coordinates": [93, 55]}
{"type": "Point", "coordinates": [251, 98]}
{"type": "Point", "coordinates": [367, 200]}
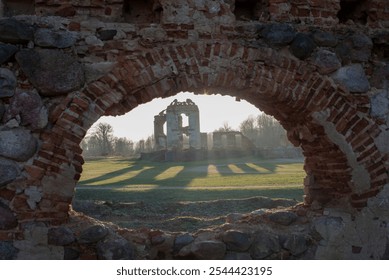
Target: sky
{"type": "Point", "coordinates": [215, 110]}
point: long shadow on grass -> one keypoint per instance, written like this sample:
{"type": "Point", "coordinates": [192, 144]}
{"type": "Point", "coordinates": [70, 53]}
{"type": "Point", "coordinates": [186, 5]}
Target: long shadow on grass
{"type": "Point", "coordinates": [112, 174]}
{"type": "Point", "coordinates": [184, 177]}
{"type": "Point", "coordinates": [260, 168]}
{"type": "Point", "coordinates": [149, 176]}
{"type": "Point", "coordinates": [146, 171]}
{"type": "Point", "coordinates": [248, 169]}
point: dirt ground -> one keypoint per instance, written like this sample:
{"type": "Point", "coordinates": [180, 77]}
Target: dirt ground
{"type": "Point", "coordinates": [175, 216]}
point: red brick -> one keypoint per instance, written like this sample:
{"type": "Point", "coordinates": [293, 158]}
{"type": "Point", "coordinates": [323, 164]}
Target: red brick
{"type": "Point", "coordinates": [34, 171]}
{"type": "Point", "coordinates": [360, 126]}
{"type": "Point", "coordinates": [216, 49]}
{"type": "Point", "coordinates": [7, 235]}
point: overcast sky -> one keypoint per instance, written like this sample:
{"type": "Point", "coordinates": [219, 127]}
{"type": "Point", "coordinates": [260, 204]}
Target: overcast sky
{"type": "Point", "coordinates": [214, 111]}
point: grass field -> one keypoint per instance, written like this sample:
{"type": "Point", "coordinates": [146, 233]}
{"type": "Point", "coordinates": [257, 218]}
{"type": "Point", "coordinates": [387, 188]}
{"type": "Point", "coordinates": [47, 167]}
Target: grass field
{"type": "Point", "coordinates": [118, 179]}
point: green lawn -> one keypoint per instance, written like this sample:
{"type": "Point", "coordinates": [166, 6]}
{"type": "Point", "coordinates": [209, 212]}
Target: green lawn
{"type": "Point", "coordinates": [118, 179]}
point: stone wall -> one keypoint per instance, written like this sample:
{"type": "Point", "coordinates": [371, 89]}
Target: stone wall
{"type": "Point", "coordinates": [319, 12]}
{"type": "Point", "coordinates": [319, 67]}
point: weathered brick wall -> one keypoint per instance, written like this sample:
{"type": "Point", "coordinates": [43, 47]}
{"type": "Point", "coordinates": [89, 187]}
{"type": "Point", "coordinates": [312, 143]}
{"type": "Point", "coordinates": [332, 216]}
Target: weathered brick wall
{"type": "Point", "coordinates": [326, 12]}
{"type": "Point", "coordinates": [319, 67]}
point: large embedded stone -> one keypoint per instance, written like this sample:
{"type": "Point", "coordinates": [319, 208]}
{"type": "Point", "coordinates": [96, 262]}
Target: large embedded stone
{"type": "Point", "coordinates": [115, 249]}
{"type": "Point", "coordinates": [8, 172]}
{"type": "Point", "coordinates": [329, 227]}
{"type": "Point", "coordinates": [34, 246]}
{"type": "Point", "coordinates": [238, 256]}
{"type": "Point", "coordinates": [382, 142]}
{"type": "Point", "coordinates": [7, 83]}
{"type": "Point", "coordinates": [7, 251]}
{"type": "Point", "coordinates": [264, 245]}
{"type": "Point", "coordinates": [107, 34]}
{"type": "Point", "coordinates": [61, 236]}
{"type": "Point", "coordinates": [17, 144]}
{"type": "Point", "coordinates": [296, 244]}
{"type": "Point", "coordinates": [302, 46]}
{"type": "Point", "coordinates": [278, 34]}
{"type": "Point", "coordinates": [30, 108]}
{"type": "Point", "coordinates": [92, 40]}
{"type": "Point", "coordinates": [6, 52]}
{"type": "Point", "coordinates": [153, 34]}
{"type": "Point", "coordinates": [94, 71]}
{"type": "Point", "coordinates": [52, 72]}
{"type": "Point", "coordinates": [324, 39]}
{"type": "Point", "coordinates": [7, 218]}
{"type": "Point", "coordinates": [379, 104]}
{"type": "Point", "coordinates": [34, 195]}
{"type": "Point", "coordinates": [362, 235]}
{"type": "Point", "coordinates": [284, 218]}
{"type": "Point", "coordinates": [71, 254]}
{"type": "Point", "coordinates": [353, 77]}
{"type": "Point", "coordinates": [15, 32]}
{"type": "Point", "coordinates": [93, 234]}
{"type": "Point", "coordinates": [326, 61]}
{"type": "Point", "coordinates": [237, 240]}
{"type": "Point", "coordinates": [379, 205]}
{"type": "Point", "coordinates": [54, 38]}
{"type": "Point", "coordinates": [209, 250]}
{"type": "Point", "coordinates": [182, 240]}
{"type": "Point", "coordinates": [355, 48]}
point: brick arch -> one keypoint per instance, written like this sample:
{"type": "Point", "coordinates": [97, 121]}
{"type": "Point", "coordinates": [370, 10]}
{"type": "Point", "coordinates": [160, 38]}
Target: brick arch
{"type": "Point", "coordinates": [341, 160]}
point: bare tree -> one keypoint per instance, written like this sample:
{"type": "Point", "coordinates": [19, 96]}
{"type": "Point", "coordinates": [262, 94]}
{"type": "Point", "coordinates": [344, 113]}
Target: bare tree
{"type": "Point", "coordinates": [100, 141]}
{"type": "Point", "coordinates": [249, 128]}
{"type": "Point", "coordinates": [264, 131]}
{"type": "Point", "coordinates": [149, 144]}
{"type": "Point", "coordinates": [225, 128]}
{"type": "Point", "coordinates": [123, 147]}
{"type": "Point", "coordinates": [103, 136]}
{"type": "Point", "coordinates": [271, 133]}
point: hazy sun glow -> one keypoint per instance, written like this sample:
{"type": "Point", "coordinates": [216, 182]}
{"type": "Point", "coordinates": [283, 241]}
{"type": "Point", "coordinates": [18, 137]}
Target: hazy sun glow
{"type": "Point", "coordinates": [215, 110]}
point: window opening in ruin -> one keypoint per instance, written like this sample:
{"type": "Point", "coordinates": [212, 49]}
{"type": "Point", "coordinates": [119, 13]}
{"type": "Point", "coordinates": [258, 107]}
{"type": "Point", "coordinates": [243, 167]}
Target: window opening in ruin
{"type": "Point", "coordinates": [247, 9]}
{"type": "Point", "coordinates": [224, 141]}
{"type": "Point", "coordinates": [185, 130]}
{"type": "Point", "coordinates": [146, 11]}
{"type": "Point", "coordinates": [144, 182]}
{"type": "Point", "coordinates": [238, 140]}
{"type": "Point", "coordinates": [18, 7]}
{"type": "Point", "coordinates": [355, 10]}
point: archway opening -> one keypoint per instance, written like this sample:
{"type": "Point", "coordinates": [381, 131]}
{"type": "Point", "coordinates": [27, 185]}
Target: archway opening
{"type": "Point", "coordinates": [237, 172]}
{"type": "Point", "coordinates": [321, 117]}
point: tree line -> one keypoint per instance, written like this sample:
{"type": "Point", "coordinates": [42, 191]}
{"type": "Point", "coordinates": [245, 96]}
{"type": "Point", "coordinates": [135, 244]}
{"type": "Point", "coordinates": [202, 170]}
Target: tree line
{"type": "Point", "coordinates": [100, 141]}
{"type": "Point", "coordinates": [263, 130]}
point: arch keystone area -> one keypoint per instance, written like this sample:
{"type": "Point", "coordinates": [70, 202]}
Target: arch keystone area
{"type": "Point", "coordinates": [325, 81]}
